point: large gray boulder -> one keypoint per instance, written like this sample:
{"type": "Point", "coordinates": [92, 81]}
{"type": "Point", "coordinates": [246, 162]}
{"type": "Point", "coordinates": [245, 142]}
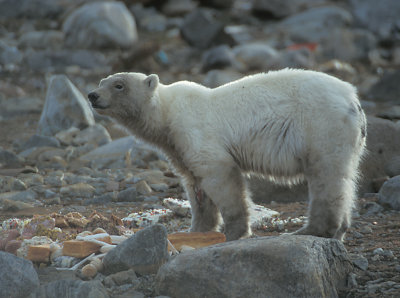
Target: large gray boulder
{"type": "Point", "coordinates": [285, 266]}
{"type": "Point", "coordinates": [100, 25]}
{"type": "Point", "coordinates": [389, 194]}
{"type": "Point", "coordinates": [65, 107]}
{"type": "Point", "coordinates": [144, 252]}
{"type": "Point", "coordinates": [18, 278]}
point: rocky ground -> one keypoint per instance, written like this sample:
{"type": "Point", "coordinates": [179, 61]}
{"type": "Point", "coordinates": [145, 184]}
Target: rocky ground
{"type": "Point", "coordinates": [57, 158]}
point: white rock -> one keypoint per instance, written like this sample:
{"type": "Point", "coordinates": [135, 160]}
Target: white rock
{"type": "Point", "coordinates": [65, 107]}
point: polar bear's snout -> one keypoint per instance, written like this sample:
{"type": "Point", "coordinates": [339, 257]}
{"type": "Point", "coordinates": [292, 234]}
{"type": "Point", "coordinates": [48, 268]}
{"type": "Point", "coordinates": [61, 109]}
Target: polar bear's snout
{"type": "Point", "coordinates": [93, 96]}
{"type": "Point", "coordinates": [94, 99]}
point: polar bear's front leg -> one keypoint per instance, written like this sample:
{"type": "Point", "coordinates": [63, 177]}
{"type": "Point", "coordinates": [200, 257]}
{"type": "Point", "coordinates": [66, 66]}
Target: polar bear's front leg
{"type": "Point", "coordinates": [226, 187]}
{"type": "Point", "coordinates": [205, 215]}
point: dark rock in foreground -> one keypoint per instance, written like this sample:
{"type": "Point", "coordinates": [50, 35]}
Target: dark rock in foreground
{"type": "Point", "coordinates": [144, 252]}
{"type": "Point", "coordinates": [18, 278]}
{"type": "Point", "coordinates": [286, 266]}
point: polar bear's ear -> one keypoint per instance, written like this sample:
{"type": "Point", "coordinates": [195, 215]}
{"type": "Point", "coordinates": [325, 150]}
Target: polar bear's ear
{"type": "Point", "coordinates": [151, 81]}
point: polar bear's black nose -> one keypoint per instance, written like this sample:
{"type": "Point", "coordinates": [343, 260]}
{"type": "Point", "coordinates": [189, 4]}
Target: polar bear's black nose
{"type": "Point", "coordinates": [93, 96]}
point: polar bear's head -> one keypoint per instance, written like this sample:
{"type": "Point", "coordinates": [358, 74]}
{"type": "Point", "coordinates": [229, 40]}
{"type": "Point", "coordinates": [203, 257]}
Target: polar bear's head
{"type": "Point", "coordinates": [123, 94]}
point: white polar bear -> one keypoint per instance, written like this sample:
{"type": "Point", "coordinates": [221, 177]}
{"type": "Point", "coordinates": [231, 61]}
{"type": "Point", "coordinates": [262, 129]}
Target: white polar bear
{"type": "Point", "coordinates": [286, 125]}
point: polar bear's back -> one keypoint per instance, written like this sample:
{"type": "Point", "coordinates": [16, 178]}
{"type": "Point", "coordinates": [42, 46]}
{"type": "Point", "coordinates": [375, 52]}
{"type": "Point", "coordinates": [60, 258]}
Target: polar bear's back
{"type": "Point", "coordinates": [267, 122]}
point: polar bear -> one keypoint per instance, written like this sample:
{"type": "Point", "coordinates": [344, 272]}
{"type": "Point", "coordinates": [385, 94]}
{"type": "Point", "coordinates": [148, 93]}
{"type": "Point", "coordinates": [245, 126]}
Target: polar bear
{"type": "Point", "coordinates": [286, 125]}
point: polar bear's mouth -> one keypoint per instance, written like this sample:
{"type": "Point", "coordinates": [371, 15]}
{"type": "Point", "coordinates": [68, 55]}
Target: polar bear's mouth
{"type": "Point", "coordinates": [94, 99]}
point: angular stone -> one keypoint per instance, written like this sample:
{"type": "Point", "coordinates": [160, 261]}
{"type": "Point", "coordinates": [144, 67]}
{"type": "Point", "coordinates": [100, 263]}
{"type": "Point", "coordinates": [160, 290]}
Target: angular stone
{"type": "Point", "coordinates": [100, 25]}
{"type": "Point", "coordinates": [285, 266]}
{"type": "Point", "coordinates": [144, 252]}
{"type": "Point", "coordinates": [65, 107]}
{"type": "Point", "coordinates": [18, 279]}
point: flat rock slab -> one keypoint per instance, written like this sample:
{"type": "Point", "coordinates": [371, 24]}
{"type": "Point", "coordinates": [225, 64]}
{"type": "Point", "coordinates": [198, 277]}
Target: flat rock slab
{"type": "Point", "coordinates": [285, 266]}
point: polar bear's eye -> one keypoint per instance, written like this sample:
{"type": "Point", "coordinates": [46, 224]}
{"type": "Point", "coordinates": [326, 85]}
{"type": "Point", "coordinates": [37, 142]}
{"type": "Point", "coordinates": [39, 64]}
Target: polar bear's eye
{"type": "Point", "coordinates": [119, 87]}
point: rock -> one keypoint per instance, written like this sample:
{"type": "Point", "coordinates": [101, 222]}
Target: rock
{"type": "Point", "coordinates": [295, 58]}
{"type": "Point", "coordinates": [128, 195]}
{"type": "Point", "coordinates": [19, 278]}
{"type": "Point", "coordinates": [144, 252]}
{"type": "Point", "coordinates": [27, 196]}
{"type": "Point", "coordinates": [143, 188]}
{"type": "Point", "coordinates": [200, 29]}
{"type": "Point", "coordinates": [218, 3]}
{"type": "Point", "coordinates": [387, 88]}
{"type": "Point", "coordinates": [40, 141]}
{"type": "Point", "coordinates": [10, 56]}
{"type": "Point", "coordinates": [14, 206]}
{"type": "Point", "coordinates": [29, 9]}
{"type": "Point", "coordinates": [100, 25]}
{"type": "Point", "coordinates": [65, 107]}
{"type": "Point", "coordinates": [20, 106]}
{"type": "Point", "coordinates": [115, 154]}
{"type": "Point", "coordinates": [286, 266]}
{"type": "Point", "coordinates": [159, 187]}
{"type": "Point", "coordinates": [66, 136]}
{"type": "Point", "coordinates": [121, 278]}
{"type": "Point", "coordinates": [392, 113]}
{"type": "Point", "coordinates": [179, 207]}
{"type": "Point", "coordinates": [255, 56]}
{"type": "Point", "coordinates": [217, 57]}
{"type": "Point", "coordinates": [277, 9]}
{"type": "Point", "coordinates": [12, 246]}
{"type": "Point", "coordinates": [315, 24]}
{"type": "Point", "coordinates": [42, 39]}
{"type": "Point", "coordinates": [58, 61]}
{"type": "Point", "coordinates": [72, 288]}
{"type": "Point", "coordinates": [9, 159]}
{"type": "Point", "coordinates": [173, 8]}
{"type": "Point", "coordinates": [148, 18]}
{"type": "Point", "coordinates": [389, 194]}
{"type": "Point", "coordinates": [360, 262]}
{"type": "Point", "coordinates": [216, 78]}
{"type": "Point", "coordinates": [380, 19]}
{"type": "Point", "coordinates": [95, 134]}
{"type": "Point", "coordinates": [79, 190]}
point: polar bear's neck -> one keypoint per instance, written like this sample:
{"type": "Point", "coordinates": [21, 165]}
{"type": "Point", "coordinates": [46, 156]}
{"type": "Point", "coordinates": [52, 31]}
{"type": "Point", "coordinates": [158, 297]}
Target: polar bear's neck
{"type": "Point", "coordinates": [148, 122]}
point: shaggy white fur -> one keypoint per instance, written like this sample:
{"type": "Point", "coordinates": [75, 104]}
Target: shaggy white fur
{"type": "Point", "coordinates": [286, 125]}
